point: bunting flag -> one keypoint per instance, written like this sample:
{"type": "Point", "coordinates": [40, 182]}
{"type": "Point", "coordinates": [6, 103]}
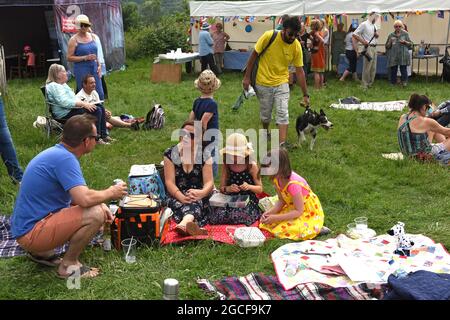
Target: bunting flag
{"type": "Point", "coordinates": [440, 14]}
{"type": "Point", "coordinates": [392, 15]}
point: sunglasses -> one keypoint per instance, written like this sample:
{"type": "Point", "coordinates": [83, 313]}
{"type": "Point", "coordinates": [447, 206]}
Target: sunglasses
{"type": "Point", "coordinates": [83, 25]}
{"type": "Point", "coordinates": [397, 26]}
{"type": "Point", "coordinates": [97, 138]}
{"type": "Point", "coordinates": [185, 133]}
{"type": "Point", "coordinates": [292, 34]}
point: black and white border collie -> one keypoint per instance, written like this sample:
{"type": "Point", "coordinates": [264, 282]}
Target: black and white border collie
{"type": "Point", "coordinates": [309, 122]}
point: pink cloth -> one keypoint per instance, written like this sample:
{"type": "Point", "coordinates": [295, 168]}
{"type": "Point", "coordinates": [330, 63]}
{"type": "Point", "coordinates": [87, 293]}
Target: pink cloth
{"type": "Point", "coordinates": [219, 42]}
{"type": "Point", "coordinates": [31, 59]}
{"type": "Point", "coordinates": [295, 189]}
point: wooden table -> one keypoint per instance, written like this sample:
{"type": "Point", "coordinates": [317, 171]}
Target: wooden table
{"type": "Point", "coordinates": [167, 68]}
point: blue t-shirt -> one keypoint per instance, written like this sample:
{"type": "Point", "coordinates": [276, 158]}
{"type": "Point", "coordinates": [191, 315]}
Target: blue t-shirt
{"type": "Point", "coordinates": [45, 187]}
{"type": "Point", "coordinates": [202, 105]}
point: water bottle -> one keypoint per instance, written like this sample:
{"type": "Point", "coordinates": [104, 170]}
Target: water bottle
{"type": "Point", "coordinates": [170, 290]}
{"type": "Point", "coordinates": [291, 267]}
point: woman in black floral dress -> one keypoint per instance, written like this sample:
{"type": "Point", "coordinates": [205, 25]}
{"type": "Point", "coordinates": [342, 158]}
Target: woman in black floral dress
{"type": "Point", "coordinates": [189, 182]}
{"type": "Point", "coordinates": [240, 176]}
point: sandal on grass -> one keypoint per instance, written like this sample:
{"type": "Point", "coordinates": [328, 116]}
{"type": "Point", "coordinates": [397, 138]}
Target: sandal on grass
{"type": "Point", "coordinates": [52, 261]}
{"type": "Point", "coordinates": [194, 230]}
{"type": "Point", "coordinates": [82, 272]}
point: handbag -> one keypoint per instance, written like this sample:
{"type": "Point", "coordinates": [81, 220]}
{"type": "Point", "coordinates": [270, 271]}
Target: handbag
{"type": "Point", "coordinates": [227, 47]}
{"type": "Point", "coordinates": [256, 65]}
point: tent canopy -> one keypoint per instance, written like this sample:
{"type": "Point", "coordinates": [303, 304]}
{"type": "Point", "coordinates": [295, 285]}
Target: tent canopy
{"type": "Point", "coordinates": [310, 7]}
{"type": "Point", "coordinates": [246, 8]}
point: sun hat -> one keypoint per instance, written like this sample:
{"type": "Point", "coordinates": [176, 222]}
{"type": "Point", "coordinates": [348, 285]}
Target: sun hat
{"type": "Point", "coordinates": [237, 145]}
{"type": "Point", "coordinates": [207, 82]}
{"type": "Point", "coordinates": [82, 19]}
{"type": "Point", "coordinates": [205, 26]}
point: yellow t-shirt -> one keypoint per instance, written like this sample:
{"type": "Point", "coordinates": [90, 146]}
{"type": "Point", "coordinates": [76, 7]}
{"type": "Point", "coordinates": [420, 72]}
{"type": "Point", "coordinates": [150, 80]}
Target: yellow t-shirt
{"type": "Point", "coordinates": [273, 65]}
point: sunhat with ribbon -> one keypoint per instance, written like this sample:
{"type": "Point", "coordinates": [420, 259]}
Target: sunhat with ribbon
{"type": "Point", "coordinates": [207, 82]}
{"type": "Point", "coordinates": [237, 145]}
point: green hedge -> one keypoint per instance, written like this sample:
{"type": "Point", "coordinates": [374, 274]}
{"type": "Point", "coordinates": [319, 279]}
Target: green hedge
{"type": "Point", "coordinates": [168, 34]}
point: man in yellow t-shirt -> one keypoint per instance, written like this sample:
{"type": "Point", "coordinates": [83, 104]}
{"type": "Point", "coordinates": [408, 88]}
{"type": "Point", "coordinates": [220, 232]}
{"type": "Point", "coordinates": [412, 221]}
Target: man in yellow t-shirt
{"type": "Point", "coordinates": [272, 80]}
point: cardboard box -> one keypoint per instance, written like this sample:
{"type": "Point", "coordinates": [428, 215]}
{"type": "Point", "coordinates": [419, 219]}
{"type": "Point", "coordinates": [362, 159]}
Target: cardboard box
{"type": "Point", "coordinates": [165, 72]}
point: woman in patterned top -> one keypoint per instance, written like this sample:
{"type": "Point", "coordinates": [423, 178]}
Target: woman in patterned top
{"type": "Point", "coordinates": [397, 45]}
{"type": "Point", "coordinates": [240, 176]}
{"type": "Point", "coordinates": [189, 182]}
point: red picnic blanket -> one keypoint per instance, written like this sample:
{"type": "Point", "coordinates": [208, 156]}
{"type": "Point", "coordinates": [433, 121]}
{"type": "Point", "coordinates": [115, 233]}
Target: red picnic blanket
{"type": "Point", "coordinates": [215, 232]}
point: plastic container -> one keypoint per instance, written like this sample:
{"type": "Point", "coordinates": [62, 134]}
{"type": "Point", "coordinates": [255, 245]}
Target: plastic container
{"type": "Point", "coordinates": [247, 237]}
{"type": "Point", "coordinates": [291, 267]}
{"type": "Point", "coordinates": [170, 289]}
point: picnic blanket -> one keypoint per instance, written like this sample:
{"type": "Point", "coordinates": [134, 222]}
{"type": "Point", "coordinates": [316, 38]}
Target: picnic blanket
{"type": "Point", "coordinates": [373, 106]}
{"type": "Point", "coordinates": [363, 261]}
{"type": "Point", "coordinates": [257, 286]}
{"type": "Point", "coordinates": [215, 232]}
{"type": "Point", "coordinates": [10, 248]}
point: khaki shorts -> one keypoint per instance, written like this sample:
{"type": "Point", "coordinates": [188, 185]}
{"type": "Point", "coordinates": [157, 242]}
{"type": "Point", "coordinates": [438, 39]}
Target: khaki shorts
{"type": "Point", "coordinates": [53, 231]}
{"type": "Point", "coordinates": [270, 96]}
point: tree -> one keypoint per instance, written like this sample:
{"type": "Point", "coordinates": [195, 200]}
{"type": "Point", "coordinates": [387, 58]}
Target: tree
{"type": "Point", "coordinates": [130, 13]}
{"type": "Point", "coordinates": [151, 12]}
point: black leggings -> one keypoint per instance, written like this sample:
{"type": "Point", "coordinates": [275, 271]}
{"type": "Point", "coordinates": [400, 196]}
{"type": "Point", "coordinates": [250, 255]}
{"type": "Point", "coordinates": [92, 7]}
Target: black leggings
{"type": "Point", "coordinates": [209, 60]}
{"type": "Point", "coordinates": [351, 56]}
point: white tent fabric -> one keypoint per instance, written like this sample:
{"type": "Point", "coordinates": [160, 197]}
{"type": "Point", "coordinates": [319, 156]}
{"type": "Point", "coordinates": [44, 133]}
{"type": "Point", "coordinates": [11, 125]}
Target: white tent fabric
{"type": "Point", "coordinates": [246, 8]}
{"type": "Point", "coordinates": [310, 7]}
{"type": "Point", "coordinates": [366, 6]}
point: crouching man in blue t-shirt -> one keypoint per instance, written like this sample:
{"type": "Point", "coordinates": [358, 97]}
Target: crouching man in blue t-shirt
{"type": "Point", "coordinates": [43, 217]}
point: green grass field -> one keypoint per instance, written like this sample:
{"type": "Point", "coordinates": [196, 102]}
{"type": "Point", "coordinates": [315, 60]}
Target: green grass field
{"type": "Point", "coordinates": [345, 169]}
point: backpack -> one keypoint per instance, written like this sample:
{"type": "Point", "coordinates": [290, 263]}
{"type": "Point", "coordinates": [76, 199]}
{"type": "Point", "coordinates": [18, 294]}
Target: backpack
{"type": "Point", "coordinates": [155, 118]}
{"type": "Point", "coordinates": [256, 65]}
{"type": "Point", "coordinates": [446, 66]}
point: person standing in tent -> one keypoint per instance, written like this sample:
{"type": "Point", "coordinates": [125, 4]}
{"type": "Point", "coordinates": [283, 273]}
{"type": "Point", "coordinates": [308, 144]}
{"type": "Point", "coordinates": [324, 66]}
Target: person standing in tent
{"type": "Point", "coordinates": [220, 38]}
{"type": "Point", "coordinates": [272, 78]}
{"type": "Point", "coordinates": [83, 52]}
{"type": "Point", "coordinates": [206, 50]}
{"type": "Point", "coordinates": [337, 45]}
{"type": "Point", "coordinates": [367, 35]}
{"type": "Point", "coordinates": [397, 46]}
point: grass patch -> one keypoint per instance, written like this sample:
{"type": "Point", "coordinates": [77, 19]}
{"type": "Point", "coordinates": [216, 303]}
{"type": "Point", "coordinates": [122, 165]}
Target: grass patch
{"type": "Point", "coordinates": [345, 169]}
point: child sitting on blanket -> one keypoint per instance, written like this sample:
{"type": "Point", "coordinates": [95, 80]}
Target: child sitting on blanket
{"type": "Point", "coordinates": [297, 214]}
{"type": "Point", "coordinates": [240, 176]}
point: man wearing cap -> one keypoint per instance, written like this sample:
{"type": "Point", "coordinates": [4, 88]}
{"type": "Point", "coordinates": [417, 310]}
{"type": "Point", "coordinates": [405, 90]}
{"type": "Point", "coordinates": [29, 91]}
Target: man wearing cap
{"type": "Point", "coordinates": [367, 35]}
{"type": "Point", "coordinates": [272, 79]}
{"type": "Point", "coordinates": [206, 49]}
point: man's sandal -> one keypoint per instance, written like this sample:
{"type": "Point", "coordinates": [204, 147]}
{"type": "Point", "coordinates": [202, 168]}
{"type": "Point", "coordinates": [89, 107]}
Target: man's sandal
{"type": "Point", "coordinates": [82, 272]}
{"type": "Point", "coordinates": [52, 261]}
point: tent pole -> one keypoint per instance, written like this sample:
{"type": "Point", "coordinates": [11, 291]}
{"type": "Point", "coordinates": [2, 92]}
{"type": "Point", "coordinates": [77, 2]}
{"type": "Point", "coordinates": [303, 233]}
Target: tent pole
{"type": "Point", "coordinates": [446, 40]}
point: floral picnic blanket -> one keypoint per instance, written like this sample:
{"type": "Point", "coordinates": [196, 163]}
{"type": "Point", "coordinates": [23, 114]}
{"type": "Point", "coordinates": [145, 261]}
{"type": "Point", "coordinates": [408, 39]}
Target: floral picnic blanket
{"type": "Point", "coordinates": [341, 261]}
{"type": "Point", "coordinates": [373, 106]}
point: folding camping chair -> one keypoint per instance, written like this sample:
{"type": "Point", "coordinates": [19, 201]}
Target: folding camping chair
{"type": "Point", "coordinates": [51, 124]}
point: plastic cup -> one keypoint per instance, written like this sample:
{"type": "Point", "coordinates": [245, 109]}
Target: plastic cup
{"type": "Point", "coordinates": [129, 249]}
{"type": "Point", "coordinates": [361, 223]}
{"type": "Point", "coordinates": [351, 226]}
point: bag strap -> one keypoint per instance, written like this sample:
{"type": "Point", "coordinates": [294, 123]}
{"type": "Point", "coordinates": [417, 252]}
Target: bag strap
{"type": "Point", "coordinates": [272, 39]}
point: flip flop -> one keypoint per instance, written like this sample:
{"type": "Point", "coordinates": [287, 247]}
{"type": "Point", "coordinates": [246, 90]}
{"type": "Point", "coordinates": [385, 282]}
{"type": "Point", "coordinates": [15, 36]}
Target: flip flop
{"type": "Point", "coordinates": [194, 230]}
{"type": "Point", "coordinates": [46, 261]}
{"type": "Point", "coordinates": [84, 272]}
{"type": "Point", "coordinates": [181, 230]}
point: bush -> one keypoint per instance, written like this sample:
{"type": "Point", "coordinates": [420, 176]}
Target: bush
{"type": "Point", "coordinates": [168, 34]}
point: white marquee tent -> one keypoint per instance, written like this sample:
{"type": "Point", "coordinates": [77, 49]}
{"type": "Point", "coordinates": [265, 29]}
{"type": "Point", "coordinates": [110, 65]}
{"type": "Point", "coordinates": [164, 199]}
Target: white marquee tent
{"type": "Point", "coordinates": [426, 27]}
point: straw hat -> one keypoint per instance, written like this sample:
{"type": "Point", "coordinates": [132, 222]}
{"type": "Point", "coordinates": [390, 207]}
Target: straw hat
{"type": "Point", "coordinates": [207, 82]}
{"type": "Point", "coordinates": [82, 19]}
{"type": "Point", "coordinates": [237, 145]}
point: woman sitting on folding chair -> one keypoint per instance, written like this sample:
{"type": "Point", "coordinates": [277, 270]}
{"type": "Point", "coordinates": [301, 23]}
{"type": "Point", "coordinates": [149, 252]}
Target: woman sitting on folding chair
{"type": "Point", "coordinates": [64, 103]}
